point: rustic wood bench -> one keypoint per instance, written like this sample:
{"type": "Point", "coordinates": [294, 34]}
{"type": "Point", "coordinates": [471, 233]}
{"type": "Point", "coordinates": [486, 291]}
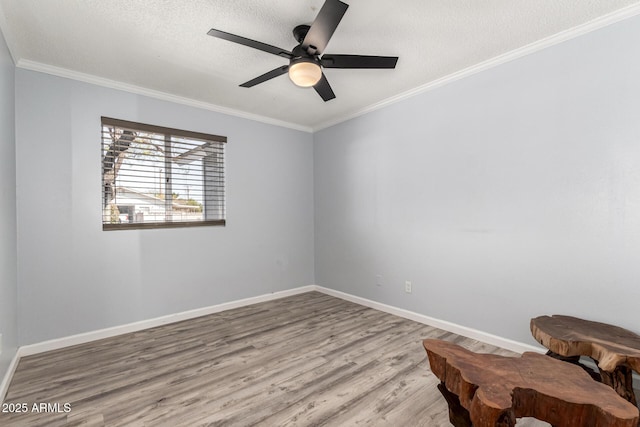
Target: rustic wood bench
{"type": "Point", "coordinates": [615, 350]}
{"type": "Point", "coordinates": [487, 390]}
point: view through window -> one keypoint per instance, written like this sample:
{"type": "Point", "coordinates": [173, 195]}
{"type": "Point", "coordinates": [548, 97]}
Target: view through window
{"type": "Point", "coordinates": [160, 177]}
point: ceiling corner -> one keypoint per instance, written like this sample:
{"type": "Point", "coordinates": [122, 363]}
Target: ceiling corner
{"type": "Point", "coordinates": [8, 37]}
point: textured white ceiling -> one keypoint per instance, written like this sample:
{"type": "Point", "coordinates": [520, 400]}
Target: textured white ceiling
{"type": "Point", "coordinates": [162, 45]}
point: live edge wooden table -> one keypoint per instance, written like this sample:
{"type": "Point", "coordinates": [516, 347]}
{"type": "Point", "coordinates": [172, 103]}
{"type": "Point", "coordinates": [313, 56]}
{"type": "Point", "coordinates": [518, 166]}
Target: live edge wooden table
{"type": "Point", "coordinates": [615, 350]}
{"type": "Point", "coordinates": [487, 390]}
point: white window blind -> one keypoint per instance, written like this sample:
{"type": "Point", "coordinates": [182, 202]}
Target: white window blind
{"type": "Point", "coordinates": [155, 177]}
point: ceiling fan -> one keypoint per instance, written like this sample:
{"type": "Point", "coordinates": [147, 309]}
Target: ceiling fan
{"type": "Point", "coordinates": [305, 60]}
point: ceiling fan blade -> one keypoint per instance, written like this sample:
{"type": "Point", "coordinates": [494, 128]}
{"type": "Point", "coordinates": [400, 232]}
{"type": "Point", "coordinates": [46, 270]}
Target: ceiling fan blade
{"type": "Point", "coordinates": [323, 27]}
{"type": "Point", "coordinates": [358, 61]}
{"type": "Point", "coordinates": [266, 76]}
{"type": "Point", "coordinates": [251, 43]}
{"type": "Point", "coordinates": [324, 89]}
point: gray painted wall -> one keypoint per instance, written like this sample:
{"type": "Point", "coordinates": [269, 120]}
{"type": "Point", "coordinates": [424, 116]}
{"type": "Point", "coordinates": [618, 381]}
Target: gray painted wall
{"type": "Point", "coordinates": [73, 277]}
{"type": "Point", "coordinates": [511, 193]}
{"type": "Point", "coordinates": [8, 282]}
{"type": "Point", "coordinates": [506, 195]}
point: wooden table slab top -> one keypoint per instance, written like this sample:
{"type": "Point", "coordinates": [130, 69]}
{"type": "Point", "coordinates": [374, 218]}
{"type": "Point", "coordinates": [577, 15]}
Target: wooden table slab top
{"type": "Point", "coordinates": [610, 345]}
{"type": "Point", "coordinates": [496, 390]}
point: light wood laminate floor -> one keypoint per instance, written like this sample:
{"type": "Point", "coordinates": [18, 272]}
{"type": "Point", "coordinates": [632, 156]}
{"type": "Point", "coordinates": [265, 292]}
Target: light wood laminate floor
{"type": "Point", "coordinates": [309, 359]}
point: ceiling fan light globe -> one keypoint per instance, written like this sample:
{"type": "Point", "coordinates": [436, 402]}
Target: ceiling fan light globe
{"type": "Point", "coordinates": [305, 73]}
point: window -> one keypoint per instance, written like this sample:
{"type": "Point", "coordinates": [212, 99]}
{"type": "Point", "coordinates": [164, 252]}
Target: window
{"type": "Point", "coordinates": [159, 177]}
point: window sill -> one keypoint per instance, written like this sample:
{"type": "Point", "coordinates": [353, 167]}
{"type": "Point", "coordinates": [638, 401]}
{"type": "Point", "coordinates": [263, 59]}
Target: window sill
{"type": "Point", "coordinates": [150, 225]}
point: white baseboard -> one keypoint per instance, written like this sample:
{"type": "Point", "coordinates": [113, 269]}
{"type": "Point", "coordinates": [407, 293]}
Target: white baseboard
{"type": "Point", "coordinates": [85, 337]}
{"type": "Point", "coordinates": [475, 334]}
{"type": "Point", "coordinates": [465, 331]}
{"type": "Point", "coordinates": [4, 385]}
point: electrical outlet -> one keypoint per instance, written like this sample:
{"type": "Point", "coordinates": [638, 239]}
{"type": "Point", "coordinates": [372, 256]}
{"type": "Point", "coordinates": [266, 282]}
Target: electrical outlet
{"type": "Point", "coordinates": [407, 287]}
{"type": "Point", "coordinates": [378, 279]}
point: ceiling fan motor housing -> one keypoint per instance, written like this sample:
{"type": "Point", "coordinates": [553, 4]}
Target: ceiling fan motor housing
{"type": "Point", "coordinates": [300, 32]}
{"type": "Point", "coordinates": [300, 52]}
{"type": "Point", "coordinates": [305, 64]}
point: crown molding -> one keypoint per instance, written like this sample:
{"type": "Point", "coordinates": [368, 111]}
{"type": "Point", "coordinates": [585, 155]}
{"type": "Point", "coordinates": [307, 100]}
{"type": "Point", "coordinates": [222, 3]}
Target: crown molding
{"type": "Point", "coordinates": [587, 27]}
{"type": "Point", "coordinates": [152, 93]}
{"type": "Point", "coordinates": [595, 24]}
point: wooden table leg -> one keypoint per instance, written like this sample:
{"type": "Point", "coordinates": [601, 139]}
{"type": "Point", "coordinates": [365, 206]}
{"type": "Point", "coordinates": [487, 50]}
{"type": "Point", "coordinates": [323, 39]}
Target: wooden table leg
{"type": "Point", "coordinates": [458, 415]}
{"type": "Point", "coordinates": [621, 380]}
